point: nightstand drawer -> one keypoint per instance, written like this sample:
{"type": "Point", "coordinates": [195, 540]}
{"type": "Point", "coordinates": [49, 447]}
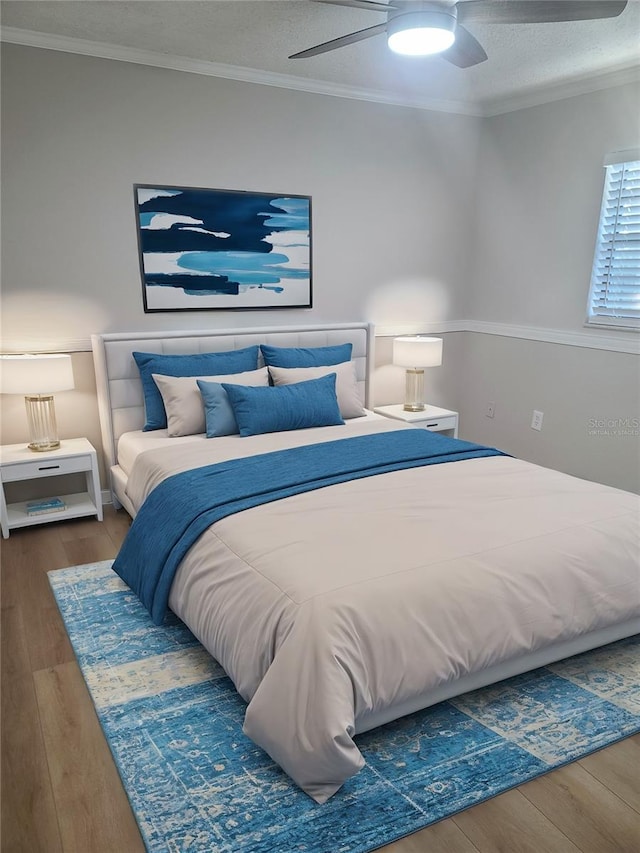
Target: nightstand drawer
{"type": "Point", "coordinates": [432, 418]}
{"type": "Point", "coordinates": [438, 424]}
{"type": "Point", "coordinates": [45, 468]}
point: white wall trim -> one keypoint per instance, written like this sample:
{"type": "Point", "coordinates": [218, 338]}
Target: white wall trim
{"type": "Point", "coordinates": [391, 331]}
{"type": "Point", "coordinates": [559, 91]}
{"type": "Point", "coordinates": [625, 342]}
{"type": "Point", "coordinates": [489, 107]}
{"type": "Point", "coordinates": [53, 344]}
{"type": "Point", "coordinates": [628, 342]}
{"type": "Point", "coordinates": [104, 50]}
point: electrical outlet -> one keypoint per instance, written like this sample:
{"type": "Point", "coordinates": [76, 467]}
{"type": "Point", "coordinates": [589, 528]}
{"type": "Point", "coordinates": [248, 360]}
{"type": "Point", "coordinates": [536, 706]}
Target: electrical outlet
{"type": "Point", "coordinates": [536, 420]}
{"type": "Point", "coordinates": [491, 410]}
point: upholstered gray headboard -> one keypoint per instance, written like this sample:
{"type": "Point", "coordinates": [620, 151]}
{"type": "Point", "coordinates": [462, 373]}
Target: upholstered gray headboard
{"type": "Point", "coordinates": [120, 399]}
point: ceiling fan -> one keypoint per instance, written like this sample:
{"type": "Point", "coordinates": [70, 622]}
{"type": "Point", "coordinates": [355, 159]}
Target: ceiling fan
{"type": "Point", "coordinates": [418, 28]}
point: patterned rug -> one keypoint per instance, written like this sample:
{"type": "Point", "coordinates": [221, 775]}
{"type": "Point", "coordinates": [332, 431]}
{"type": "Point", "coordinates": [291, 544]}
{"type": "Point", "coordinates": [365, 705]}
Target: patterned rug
{"type": "Point", "coordinates": [174, 724]}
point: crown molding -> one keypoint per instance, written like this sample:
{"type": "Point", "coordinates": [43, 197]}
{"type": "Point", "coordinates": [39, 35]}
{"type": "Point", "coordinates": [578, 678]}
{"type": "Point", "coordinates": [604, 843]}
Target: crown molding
{"type": "Point", "coordinates": [484, 108]}
{"type": "Point", "coordinates": [103, 50]}
{"type": "Point", "coordinates": [583, 85]}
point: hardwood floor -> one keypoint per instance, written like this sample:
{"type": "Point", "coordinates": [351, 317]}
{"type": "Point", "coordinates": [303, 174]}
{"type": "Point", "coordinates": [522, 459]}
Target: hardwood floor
{"type": "Point", "coordinates": [61, 791]}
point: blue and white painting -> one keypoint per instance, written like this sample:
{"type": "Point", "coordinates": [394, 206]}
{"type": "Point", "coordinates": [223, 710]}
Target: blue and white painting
{"type": "Point", "coordinates": [209, 249]}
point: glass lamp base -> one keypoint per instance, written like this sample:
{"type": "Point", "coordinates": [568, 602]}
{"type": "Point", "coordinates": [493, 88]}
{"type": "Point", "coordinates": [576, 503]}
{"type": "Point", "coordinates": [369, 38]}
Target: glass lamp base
{"type": "Point", "coordinates": [41, 417]}
{"type": "Point", "coordinates": [40, 448]}
{"type": "Point", "coordinates": [414, 390]}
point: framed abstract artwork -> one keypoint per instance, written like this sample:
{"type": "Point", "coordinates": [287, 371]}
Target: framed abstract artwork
{"type": "Point", "coordinates": [207, 249]}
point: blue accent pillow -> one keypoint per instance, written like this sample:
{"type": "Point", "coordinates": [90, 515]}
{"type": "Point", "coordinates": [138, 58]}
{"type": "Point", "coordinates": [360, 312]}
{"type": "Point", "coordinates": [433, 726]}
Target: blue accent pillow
{"type": "Point", "coordinates": [297, 406]}
{"type": "Point", "coordinates": [193, 364]}
{"type": "Point", "coordinates": [305, 356]}
{"type": "Point", "coordinates": [218, 412]}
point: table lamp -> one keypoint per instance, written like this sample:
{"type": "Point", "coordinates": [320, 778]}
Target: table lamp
{"type": "Point", "coordinates": [415, 353]}
{"type": "Point", "coordinates": [37, 377]}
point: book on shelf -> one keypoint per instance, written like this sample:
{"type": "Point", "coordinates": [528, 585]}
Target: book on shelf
{"type": "Point", "coordinates": [45, 505]}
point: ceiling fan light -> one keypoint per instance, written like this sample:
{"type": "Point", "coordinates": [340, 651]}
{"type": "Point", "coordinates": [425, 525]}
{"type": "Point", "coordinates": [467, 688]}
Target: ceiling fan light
{"type": "Point", "coordinates": [421, 41]}
{"type": "Point", "coordinates": [421, 33]}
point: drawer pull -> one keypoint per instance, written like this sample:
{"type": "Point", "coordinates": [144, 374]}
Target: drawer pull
{"type": "Point", "coordinates": [432, 425]}
{"type": "Point", "coordinates": [48, 467]}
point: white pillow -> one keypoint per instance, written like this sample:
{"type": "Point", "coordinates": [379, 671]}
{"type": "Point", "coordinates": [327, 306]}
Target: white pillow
{"type": "Point", "coordinates": [347, 391]}
{"type": "Point", "coordinates": [183, 401]}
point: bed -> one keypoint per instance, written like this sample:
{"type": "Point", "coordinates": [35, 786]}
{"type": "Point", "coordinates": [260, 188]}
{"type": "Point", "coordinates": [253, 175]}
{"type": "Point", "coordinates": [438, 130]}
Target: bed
{"type": "Point", "coordinates": [337, 609]}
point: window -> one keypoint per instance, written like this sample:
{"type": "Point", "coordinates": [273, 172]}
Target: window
{"type": "Point", "coordinates": [614, 296]}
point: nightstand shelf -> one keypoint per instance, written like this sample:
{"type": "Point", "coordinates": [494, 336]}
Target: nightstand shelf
{"type": "Point", "coordinates": [18, 464]}
{"type": "Point", "coordinates": [432, 418]}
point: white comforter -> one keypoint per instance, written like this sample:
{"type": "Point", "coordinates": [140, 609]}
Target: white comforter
{"type": "Point", "coordinates": [330, 609]}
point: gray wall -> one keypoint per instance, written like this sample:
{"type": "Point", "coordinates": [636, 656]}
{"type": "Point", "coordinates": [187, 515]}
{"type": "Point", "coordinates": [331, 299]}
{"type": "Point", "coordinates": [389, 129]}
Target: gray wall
{"type": "Point", "coordinates": [419, 218]}
{"type": "Point", "coordinates": [391, 189]}
{"type": "Point", "coordinates": [539, 189]}
{"type": "Point", "coordinates": [392, 194]}
{"type": "Point", "coordinates": [590, 399]}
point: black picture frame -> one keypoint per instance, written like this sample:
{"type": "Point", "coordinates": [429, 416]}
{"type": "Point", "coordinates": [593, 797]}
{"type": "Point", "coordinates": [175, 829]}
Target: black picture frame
{"type": "Point", "coordinates": [206, 249]}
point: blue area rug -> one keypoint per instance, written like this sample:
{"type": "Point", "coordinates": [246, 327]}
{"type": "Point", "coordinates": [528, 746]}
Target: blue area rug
{"type": "Point", "coordinates": [174, 724]}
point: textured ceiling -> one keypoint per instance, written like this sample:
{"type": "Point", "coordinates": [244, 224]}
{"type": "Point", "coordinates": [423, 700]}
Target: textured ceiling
{"type": "Point", "coordinates": [260, 34]}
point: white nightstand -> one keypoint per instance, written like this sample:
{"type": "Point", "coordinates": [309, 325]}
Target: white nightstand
{"type": "Point", "coordinates": [431, 418]}
{"type": "Point", "coordinates": [18, 463]}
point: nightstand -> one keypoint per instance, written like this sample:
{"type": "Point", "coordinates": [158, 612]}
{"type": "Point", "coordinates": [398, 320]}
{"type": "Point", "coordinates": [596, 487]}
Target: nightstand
{"type": "Point", "coordinates": [431, 418]}
{"type": "Point", "coordinates": [18, 463]}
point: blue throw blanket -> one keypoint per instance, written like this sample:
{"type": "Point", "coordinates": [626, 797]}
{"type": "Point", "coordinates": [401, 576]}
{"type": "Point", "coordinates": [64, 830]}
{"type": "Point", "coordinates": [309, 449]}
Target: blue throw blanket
{"type": "Point", "coordinates": [181, 508]}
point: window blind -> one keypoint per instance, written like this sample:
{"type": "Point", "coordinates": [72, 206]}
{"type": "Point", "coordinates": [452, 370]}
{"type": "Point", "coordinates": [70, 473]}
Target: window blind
{"type": "Point", "coordinates": [614, 296]}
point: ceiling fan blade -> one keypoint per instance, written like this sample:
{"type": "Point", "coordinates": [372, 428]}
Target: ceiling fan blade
{"type": "Point", "coordinates": [343, 41]}
{"type": "Point", "coordinates": [536, 11]}
{"type": "Point", "coordinates": [360, 4]}
{"type": "Point", "coordinates": [465, 51]}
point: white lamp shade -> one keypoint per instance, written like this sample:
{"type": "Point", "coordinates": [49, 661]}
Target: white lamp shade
{"type": "Point", "coordinates": [416, 351]}
{"type": "Point", "coordinates": [35, 374]}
